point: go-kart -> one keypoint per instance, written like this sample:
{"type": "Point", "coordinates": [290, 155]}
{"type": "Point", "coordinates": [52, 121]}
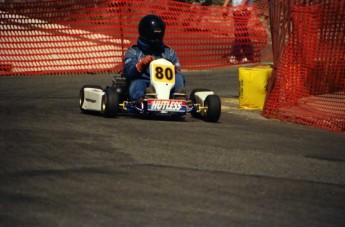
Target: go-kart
{"type": "Point", "coordinates": [115, 99]}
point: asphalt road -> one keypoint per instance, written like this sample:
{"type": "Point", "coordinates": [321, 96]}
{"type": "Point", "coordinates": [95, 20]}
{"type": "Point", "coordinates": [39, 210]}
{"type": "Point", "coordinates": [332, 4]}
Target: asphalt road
{"type": "Point", "coordinates": [59, 167]}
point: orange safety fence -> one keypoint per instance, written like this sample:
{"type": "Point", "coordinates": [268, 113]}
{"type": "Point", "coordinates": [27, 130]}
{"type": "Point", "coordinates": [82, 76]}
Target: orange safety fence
{"type": "Point", "coordinates": [308, 83]}
{"type": "Point", "coordinates": [75, 36]}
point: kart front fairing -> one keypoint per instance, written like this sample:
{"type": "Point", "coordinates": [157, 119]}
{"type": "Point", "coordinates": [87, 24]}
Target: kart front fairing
{"type": "Point", "coordinates": [159, 107]}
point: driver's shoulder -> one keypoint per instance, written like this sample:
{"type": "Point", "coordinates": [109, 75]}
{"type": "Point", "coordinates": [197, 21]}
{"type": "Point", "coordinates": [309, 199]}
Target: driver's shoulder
{"type": "Point", "coordinates": [133, 50]}
{"type": "Point", "coordinates": [166, 47]}
{"type": "Point", "coordinates": [169, 51]}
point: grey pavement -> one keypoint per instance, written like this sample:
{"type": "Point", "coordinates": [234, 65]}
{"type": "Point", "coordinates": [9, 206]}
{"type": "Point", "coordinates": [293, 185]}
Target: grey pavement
{"type": "Point", "coordinates": [59, 167]}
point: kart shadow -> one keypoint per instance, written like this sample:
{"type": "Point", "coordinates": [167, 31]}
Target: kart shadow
{"type": "Point", "coordinates": [185, 118]}
{"type": "Point", "coordinates": [162, 118]}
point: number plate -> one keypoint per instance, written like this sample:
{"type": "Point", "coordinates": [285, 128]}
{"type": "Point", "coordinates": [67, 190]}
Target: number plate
{"type": "Point", "coordinates": [164, 73]}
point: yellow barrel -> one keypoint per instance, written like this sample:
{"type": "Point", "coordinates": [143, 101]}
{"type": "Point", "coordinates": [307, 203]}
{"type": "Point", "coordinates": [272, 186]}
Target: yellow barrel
{"type": "Point", "coordinates": [252, 86]}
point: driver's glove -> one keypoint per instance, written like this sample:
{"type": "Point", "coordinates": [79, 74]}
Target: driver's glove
{"type": "Point", "coordinates": [144, 62]}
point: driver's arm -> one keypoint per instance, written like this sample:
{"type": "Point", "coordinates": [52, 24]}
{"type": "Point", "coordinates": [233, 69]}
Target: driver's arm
{"type": "Point", "coordinates": [135, 66]}
{"type": "Point", "coordinates": [129, 70]}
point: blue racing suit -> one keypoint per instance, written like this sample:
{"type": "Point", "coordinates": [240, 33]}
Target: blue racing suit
{"type": "Point", "coordinates": [139, 81]}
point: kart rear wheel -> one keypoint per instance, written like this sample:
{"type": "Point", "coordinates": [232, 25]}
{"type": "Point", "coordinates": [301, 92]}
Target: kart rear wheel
{"type": "Point", "coordinates": [110, 103]}
{"type": "Point", "coordinates": [82, 95]}
{"type": "Point", "coordinates": [213, 108]}
{"type": "Point", "coordinates": [193, 99]}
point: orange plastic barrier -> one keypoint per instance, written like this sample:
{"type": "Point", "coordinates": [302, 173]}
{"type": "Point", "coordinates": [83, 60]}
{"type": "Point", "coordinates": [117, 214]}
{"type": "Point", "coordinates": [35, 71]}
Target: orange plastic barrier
{"type": "Point", "coordinates": [89, 36]}
{"type": "Point", "coordinates": [308, 83]}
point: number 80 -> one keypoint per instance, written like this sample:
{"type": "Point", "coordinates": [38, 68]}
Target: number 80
{"type": "Point", "coordinates": [160, 73]}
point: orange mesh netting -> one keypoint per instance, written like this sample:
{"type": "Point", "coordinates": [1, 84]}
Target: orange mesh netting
{"type": "Point", "coordinates": [88, 36]}
{"type": "Point", "coordinates": [308, 83]}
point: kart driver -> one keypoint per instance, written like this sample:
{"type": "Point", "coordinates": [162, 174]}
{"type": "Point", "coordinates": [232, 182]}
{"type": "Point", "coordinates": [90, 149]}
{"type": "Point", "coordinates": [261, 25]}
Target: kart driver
{"type": "Point", "coordinates": [149, 47]}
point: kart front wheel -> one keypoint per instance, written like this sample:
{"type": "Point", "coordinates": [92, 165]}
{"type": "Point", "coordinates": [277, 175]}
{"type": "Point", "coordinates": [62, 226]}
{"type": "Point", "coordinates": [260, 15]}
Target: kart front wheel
{"type": "Point", "coordinates": [213, 108]}
{"type": "Point", "coordinates": [110, 103]}
{"type": "Point", "coordinates": [193, 99]}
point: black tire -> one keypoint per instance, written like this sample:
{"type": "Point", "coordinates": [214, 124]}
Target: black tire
{"type": "Point", "coordinates": [193, 99]}
{"type": "Point", "coordinates": [213, 104]}
{"type": "Point", "coordinates": [110, 103]}
{"type": "Point", "coordinates": [81, 96]}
